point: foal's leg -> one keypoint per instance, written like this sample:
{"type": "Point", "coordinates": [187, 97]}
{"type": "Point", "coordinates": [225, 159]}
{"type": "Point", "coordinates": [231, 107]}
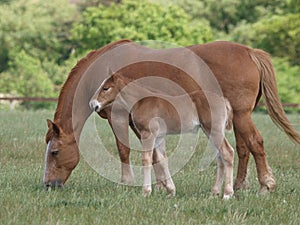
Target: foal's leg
{"type": "Point", "coordinates": [227, 154]}
{"type": "Point", "coordinates": [225, 161]}
{"type": "Point", "coordinates": [161, 167]}
{"type": "Point", "coordinates": [246, 129]}
{"type": "Point", "coordinates": [155, 159]}
{"type": "Point", "coordinates": [147, 153]}
{"type": "Point", "coordinates": [216, 190]}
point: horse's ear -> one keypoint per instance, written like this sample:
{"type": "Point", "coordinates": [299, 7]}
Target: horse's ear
{"type": "Point", "coordinates": [53, 127]}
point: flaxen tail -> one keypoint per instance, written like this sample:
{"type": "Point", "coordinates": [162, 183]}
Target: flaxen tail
{"type": "Point", "coordinates": [270, 93]}
{"type": "Point", "coordinates": [229, 111]}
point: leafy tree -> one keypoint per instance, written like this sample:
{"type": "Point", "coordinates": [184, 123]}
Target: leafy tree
{"type": "Point", "coordinates": [279, 35]}
{"type": "Point", "coordinates": [287, 80]}
{"type": "Point", "coordinates": [138, 20]}
{"type": "Point", "coordinates": [38, 27]}
{"type": "Point", "coordinates": [38, 37]}
{"type": "Point", "coordinates": [31, 79]}
{"type": "Point", "coordinates": [33, 44]}
{"type": "Point", "coordinates": [223, 15]}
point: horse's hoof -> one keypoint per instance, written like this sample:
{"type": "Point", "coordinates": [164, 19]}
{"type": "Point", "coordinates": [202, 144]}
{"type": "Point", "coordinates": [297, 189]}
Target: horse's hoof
{"type": "Point", "coordinates": [172, 193]}
{"type": "Point", "coordinates": [243, 185]}
{"type": "Point", "coordinates": [268, 186]}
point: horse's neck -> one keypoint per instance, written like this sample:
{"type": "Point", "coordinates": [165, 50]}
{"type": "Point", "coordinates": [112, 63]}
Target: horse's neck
{"type": "Point", "coordinates": [72, 112]}
{"type": "Point", "coordinates": [84, 79]}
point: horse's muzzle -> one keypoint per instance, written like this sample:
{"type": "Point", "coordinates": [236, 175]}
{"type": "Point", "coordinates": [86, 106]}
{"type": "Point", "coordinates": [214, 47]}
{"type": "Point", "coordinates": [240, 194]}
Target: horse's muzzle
{"type": "Point", "coordinates": [53, 184]}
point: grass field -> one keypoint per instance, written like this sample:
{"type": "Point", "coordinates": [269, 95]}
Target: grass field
{"type": "Point", "coordinates": [90, 199]}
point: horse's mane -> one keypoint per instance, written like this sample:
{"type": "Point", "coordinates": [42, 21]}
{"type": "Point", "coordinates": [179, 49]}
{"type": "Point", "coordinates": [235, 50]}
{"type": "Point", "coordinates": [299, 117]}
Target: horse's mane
{"type": "Point", "coordinates": [76, 73]}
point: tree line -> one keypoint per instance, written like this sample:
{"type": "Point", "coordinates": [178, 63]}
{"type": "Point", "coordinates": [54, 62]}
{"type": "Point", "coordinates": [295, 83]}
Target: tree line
{"type": "Point", "coordinates": [42, 40]}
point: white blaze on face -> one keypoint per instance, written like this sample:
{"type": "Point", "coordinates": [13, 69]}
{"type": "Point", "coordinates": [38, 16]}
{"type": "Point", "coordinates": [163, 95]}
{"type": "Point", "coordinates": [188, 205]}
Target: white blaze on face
{"type": "Point", "coordinates": [47, 153]}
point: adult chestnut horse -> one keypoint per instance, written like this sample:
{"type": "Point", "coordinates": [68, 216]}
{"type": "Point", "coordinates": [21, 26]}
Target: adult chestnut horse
{"type": "Point", "coordinates": [244, 74]}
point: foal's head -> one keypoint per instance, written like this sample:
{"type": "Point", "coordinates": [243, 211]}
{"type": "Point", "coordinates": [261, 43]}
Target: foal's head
{"type": "Point", "coordinates": [107, 92]}
{"type": "Point", "coordinates": [62, 156]}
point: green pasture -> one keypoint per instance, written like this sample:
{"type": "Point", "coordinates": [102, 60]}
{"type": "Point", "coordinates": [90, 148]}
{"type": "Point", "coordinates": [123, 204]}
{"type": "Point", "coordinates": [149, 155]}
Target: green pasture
{"type": "Point", "coordinates": [90, 199]}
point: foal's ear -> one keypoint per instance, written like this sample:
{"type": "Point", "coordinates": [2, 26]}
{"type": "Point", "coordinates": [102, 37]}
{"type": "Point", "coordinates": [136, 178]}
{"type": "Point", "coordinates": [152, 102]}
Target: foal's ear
{"type": "Point", "coordinates": [53, 127]}
{"type": "Point", "coordinates": [110, 72]}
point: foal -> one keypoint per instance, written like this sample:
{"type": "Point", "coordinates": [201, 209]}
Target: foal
{"type": "Point", "coordinates": [155, 115]}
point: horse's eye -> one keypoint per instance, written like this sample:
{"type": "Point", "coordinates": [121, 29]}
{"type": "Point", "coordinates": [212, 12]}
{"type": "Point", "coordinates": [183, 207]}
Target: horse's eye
{"type": "Point", "coordinates": [105, 88]}
{"type": "Point", "coordinates": [54, 153]}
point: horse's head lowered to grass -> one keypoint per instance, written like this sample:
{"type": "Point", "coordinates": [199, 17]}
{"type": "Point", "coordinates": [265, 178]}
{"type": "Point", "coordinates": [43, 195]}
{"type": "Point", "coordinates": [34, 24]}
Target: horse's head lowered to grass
{"type": "Point", "coordinates": [62, 138]}
{"type": "Point", "coordinates": [62, 156]}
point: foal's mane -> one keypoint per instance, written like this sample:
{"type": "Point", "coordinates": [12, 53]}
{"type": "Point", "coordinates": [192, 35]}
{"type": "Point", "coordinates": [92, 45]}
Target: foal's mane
{"type": "Point", "coordinates": [75, 75]}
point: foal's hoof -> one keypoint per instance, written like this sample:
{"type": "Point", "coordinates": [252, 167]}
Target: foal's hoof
{"type": "Point", "coordinates": [215, 192]}
{"type": "Point", "coordinates": [228, 196]}
{"type": "Point", "coordinates": [160, 186]}
{"type": "Point", "coordinates": [147, 191]}
{"type": "Point", "coordinates": [128, 180]}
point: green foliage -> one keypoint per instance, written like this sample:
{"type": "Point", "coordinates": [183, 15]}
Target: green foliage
{"type": "Point", "coordinates": [138, 20]}
{"type": "Point", "coordinates": [27, 78]}
{"type": "Point", "coordinates": [287, 80]}
{"type": "Point", "coordinates": [278, 35]}
{"type": "Point", "coordinates": [35, 39]}
{"type": "Point", "coordinates": [32, 80]}
{"type": "Point", "coordinates": [40, 39]}
{"type": "Point", "coordinates": [34, 26]}
{"type": "Point", "coordinates": [223, 15]}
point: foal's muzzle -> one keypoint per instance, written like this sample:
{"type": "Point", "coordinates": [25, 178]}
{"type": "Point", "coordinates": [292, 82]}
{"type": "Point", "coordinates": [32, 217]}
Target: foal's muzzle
{"type": "Point", "coordinates": [53, 184]}
{"type": "Point", "coordinates": [95, 105]}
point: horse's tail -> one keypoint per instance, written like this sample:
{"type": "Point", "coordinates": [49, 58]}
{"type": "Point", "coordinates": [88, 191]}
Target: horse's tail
{"type": "Point", "coordinates": [270, 93]}
{"type": "Point", "coordinates": [229, 114]}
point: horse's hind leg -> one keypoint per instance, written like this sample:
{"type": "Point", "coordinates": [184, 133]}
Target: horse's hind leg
{"type": "Point", "coordinates": [161, 167]}
{"type": "Point", "coordinates": [243, 152]}
{"type": "Point", "coordinates": [246, 129]}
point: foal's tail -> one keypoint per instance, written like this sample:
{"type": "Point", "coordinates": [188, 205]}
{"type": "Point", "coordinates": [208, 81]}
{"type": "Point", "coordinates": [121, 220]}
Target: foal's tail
{"type": "Point", "coordinates": [229, 115]}
{"type": "Point", "coordinates": [270, 93]}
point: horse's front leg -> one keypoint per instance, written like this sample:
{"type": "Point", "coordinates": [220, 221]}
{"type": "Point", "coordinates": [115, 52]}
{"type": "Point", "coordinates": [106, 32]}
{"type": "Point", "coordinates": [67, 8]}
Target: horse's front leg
{"type": "Point", "coordinates": [120, 130]}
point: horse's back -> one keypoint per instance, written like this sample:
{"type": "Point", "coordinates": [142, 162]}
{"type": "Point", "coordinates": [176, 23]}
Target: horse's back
{"type": "Point", "coordinates": [230, 63]}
